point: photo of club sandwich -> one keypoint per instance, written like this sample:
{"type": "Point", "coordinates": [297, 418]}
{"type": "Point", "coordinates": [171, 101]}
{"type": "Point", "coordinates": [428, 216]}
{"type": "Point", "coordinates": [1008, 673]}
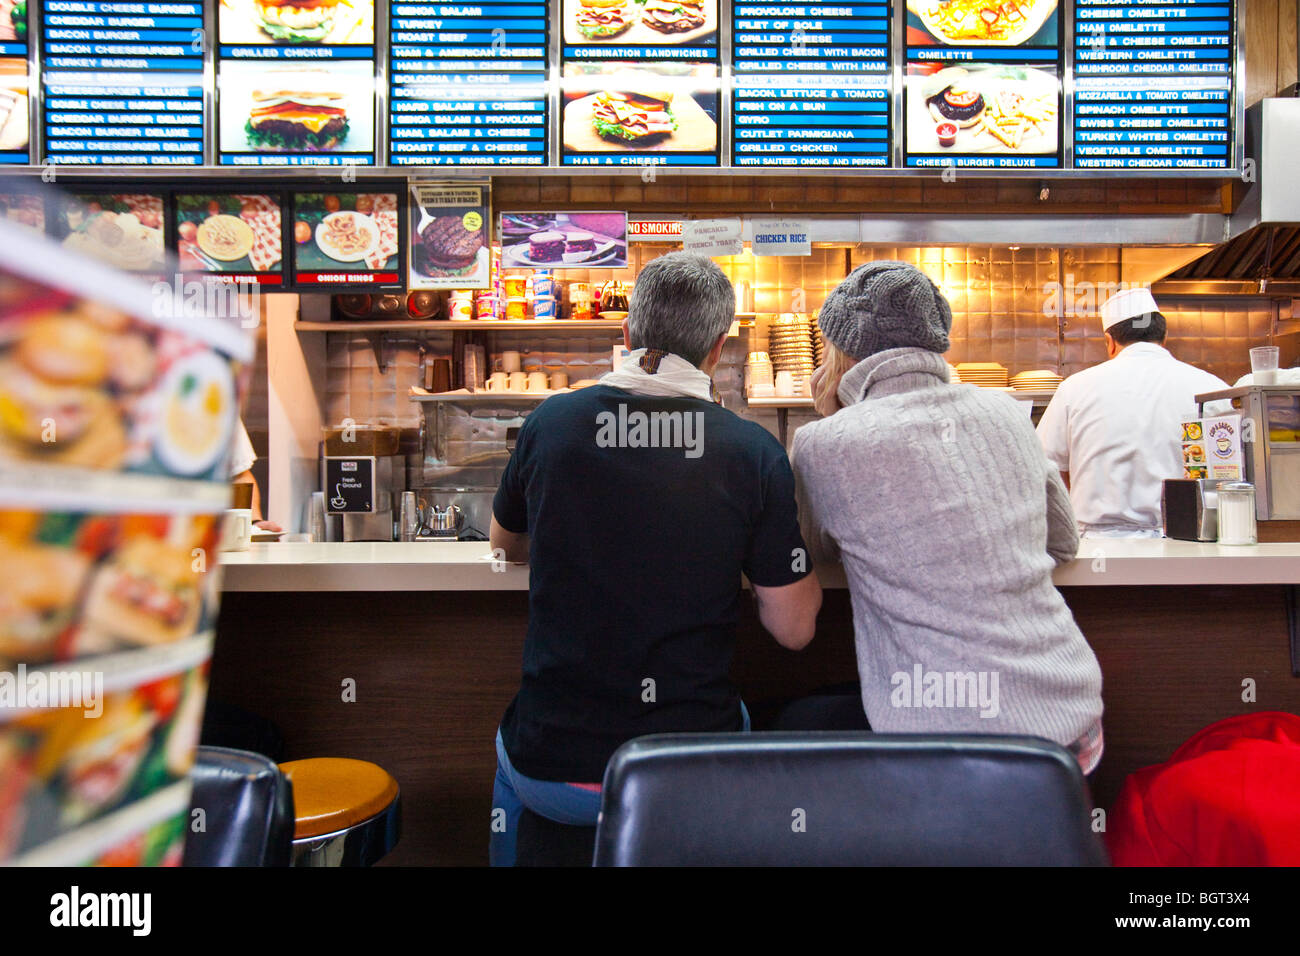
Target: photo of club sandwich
{"type": "Point", "coordinates": [302, 113]}
{"type": "Point", "coordinates": [633, 118]}
{"type": "Point", "coordinates": [296, 21]}
{"type": "Point", "coordinates": [601, 19]}
{"type": "Point", "coordinates": [673, 16]}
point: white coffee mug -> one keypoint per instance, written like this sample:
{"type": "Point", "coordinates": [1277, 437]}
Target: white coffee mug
{"type": "Point", "coordinates": [510, 362]}
{"type": "Point", "coordinates": [498, 382]}
{"type": "Point", "coordinates": [236, 529]}
{"type": "Point", "coordinates": [518, 382]}
{"type": "Point", "coordinates": [536, 381]}
{"type": "Point", "coordinates": [785, 384]}
{"type": "Point", "coordinates": [559, 380]}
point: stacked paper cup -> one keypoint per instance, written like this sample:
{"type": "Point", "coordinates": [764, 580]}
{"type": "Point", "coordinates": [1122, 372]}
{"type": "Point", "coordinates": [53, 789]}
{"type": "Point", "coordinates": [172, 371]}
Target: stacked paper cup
{"type": "Point", "coordinates": [110, 519]}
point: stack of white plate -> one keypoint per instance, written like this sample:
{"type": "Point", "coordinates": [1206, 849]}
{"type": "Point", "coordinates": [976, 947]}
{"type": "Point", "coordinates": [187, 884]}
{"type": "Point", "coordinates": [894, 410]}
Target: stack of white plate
{"type": "Point", "coordinates": [983, 374]}
{"type": "Point", "coordinates": [790, 345]}
{"type": "Point", "coordinates": [1039, 380]}
{"type": "Point", "coordinates": [954, 377]}
{"type": "Point", "coordinates": [819, 344]}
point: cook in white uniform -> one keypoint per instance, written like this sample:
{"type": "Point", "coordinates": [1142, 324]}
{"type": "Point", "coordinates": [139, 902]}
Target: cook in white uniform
{"type": "Point", "coordinates": [242, 459]}
{"type": "Point", "coordinates": [1113, 430]}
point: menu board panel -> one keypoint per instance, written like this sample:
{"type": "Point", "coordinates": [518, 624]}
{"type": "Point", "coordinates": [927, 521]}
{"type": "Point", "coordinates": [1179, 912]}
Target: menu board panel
{"type": "Point", "coordinates": [983, 84]}
{"type": "Point", "coordinates": [234, 236]}
{"type": "Point", "coordinates": [124, 230]}
{"type": "Point", "coordinates": [467, 83]}
{"type": "Point", "coordinates": [345, 239]}
{"type": "Point", "coordinates": [812, 84]}
{"type": "Point", "coordinates": [1153, 84]}
{"type": "Point", "coordinates": [296, 83]}
{"type": "Point", "coordinates": [640, 114]}
{"type": "Point", "coordinates": [14, 102]}
{"type": "Point", "coordinates": [640, 83]}
{"type": "Point", "coordinates": [123, 82]}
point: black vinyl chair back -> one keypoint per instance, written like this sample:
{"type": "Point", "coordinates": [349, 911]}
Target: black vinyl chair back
{"type": "Point", "coordinates": [844, 799]}
{"type": "Point", "coordinates": [247, 808]}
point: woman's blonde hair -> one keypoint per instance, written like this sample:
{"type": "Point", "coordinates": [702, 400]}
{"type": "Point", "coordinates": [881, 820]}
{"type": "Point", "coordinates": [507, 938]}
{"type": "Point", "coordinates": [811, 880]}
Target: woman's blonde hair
{"type": "Point", "coordinates": [836, 364]}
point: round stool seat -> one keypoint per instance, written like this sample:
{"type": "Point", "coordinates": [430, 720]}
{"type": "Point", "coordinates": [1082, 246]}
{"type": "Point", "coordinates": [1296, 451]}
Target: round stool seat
{"type": "Point", "coordinates": [335, 793]}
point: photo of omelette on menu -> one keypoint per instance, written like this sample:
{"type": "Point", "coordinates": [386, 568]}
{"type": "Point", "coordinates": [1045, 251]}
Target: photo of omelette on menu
{"type": "Point", "coordinates": [1005, 23]}
{"type": "Point", "coordinates": [317, 22]}
{"type": "Point", "coordinates": [228, 233]}
{"type": "Point", "coordinates": [641, 22]}
{"type": "Point", "coordinates": [345, 232]}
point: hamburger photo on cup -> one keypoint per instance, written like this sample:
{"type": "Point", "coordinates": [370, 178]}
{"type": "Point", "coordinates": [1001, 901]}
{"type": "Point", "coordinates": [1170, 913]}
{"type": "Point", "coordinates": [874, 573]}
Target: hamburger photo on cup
{"type": "Point", "coordinates": [297, 113]}
{"type": "Point", "coordinates": [296, 21]}
{"type": "Point", "coordinates": [447, 249]}
{"type": "Point", "coordinates": [602, 19]}
{"type": "Point", "coordinates": [636, 119]}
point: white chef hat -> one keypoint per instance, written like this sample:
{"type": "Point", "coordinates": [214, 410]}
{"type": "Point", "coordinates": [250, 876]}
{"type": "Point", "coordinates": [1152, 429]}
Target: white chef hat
{"type": "Point", "coordinates": [1127, 304]}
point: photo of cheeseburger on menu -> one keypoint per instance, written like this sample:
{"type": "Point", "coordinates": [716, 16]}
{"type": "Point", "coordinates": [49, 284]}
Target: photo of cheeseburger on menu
{"type": "Point", "coordinates": [323, 22]}
{"type": "Point", "coordinates": [640, 23]}
{"type": "Point", "coordinates": [614, 114]}
{"type": "Point", "coordinates": [303, 112]}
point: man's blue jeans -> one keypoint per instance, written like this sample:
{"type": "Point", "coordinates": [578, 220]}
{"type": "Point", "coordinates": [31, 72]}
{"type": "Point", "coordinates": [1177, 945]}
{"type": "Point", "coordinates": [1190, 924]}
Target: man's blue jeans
{"type": "Point", "coordinates": [562, 802]}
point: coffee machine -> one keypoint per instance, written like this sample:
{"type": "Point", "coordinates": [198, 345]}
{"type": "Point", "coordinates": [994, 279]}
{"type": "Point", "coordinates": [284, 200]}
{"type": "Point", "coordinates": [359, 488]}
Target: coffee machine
{"type": "Point", "coordinates": [363, 477]}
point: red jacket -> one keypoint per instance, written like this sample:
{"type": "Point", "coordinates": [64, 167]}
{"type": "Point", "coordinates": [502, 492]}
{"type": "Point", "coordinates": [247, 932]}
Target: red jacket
{"type": "Point", "coordinates": [1229, 796]}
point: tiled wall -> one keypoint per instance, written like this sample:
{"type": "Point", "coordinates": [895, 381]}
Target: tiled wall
{"type": "Point", "coordinates": [1003, 310]}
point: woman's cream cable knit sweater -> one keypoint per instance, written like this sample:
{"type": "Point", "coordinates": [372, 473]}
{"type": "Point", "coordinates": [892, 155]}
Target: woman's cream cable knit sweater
{"type": "Point", "coordinates": [949, 520]}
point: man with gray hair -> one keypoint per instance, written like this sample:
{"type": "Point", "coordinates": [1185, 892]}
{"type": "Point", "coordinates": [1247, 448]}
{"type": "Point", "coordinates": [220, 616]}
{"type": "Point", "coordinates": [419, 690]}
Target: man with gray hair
{"type": "Point", "coordinates": [638, 503]}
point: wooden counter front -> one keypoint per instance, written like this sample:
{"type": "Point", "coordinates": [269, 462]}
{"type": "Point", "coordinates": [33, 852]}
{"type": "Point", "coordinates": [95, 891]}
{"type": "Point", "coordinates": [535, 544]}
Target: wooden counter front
{"type": "Point", "coordinates": [434, 672]}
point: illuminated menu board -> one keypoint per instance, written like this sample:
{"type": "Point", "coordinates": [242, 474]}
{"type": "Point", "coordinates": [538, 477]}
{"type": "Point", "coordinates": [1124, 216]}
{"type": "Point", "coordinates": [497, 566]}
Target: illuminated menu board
{"type": "Point", "coordinates": [811, 84]}
{"type": "Point", "coordinates": [123, 82]}
{"type": "Point", "coordinates": [1153, 84]}
{"type": "Point", "coordinates": [983, 84]}
{"type": "Point", "coordinates": [296, 83]}
{"type": "Point", "coordinates": [639, 83]}
{"type": "Point", "coordinates": [467, 83]}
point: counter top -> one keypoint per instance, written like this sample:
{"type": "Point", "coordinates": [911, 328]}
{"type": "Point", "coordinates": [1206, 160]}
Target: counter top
{"type": "Point", "coordinates": [468, 566]}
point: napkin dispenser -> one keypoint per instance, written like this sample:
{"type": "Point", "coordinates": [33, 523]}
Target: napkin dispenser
{"type": "Point", "coordinates": [1189, 509]}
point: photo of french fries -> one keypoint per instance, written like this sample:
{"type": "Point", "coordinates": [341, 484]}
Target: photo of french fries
{"type": "Point", "coordinates": [1011, 115]}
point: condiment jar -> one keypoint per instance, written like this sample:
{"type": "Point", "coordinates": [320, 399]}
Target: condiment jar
{"type": "Point", "coordinates": [1237, 513]}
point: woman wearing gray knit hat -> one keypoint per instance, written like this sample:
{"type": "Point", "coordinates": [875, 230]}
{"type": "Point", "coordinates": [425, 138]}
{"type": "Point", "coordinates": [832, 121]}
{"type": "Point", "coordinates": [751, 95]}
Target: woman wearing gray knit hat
{"type": "Point", "coordinates": [948, 519]}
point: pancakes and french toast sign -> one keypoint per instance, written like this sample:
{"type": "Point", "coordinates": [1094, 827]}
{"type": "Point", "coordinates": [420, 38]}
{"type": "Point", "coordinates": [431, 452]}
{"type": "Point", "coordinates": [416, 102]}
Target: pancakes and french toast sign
{"type": "Point", "coordinates": [449, 236]}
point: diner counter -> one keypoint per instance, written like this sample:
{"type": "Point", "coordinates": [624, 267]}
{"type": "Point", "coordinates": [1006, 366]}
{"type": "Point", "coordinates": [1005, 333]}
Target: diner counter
{"type": "Point", "coordinates": [468, 566]}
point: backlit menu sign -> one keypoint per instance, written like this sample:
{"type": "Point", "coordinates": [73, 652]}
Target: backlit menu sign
{"type": "Point", "coordinates": [983, 84]}
{"type": "Point", "coordinates": [1153, 84]}
{"type": "Point", "coordinates": [123, 82]}
{"type": "Point", "coordinates": [811, 85]}
{"type": "Point", "coordinates": [467, 83]}
{"type": "Point", "coordinates": [343, 239]}
{"type": "Point", "coordinates": [639, 83]}
{"type": "Point", "coordinates": [296, 83]}
{"type": "Point", "coordinates": [14, 102]}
